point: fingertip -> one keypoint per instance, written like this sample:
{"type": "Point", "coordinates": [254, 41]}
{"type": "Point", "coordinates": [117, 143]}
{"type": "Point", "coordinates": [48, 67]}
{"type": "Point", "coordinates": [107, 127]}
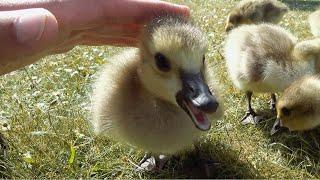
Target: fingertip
{"type": "Point", "coordinates": [185, 10]}
{"type": "Point", "coordinates": [35, 26]}
{"type": "Point", "coordinates": [154, 8]}
{"type": "Point", "coordinates": [175, 8]}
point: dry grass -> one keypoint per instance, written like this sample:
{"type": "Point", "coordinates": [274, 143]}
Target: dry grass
{"type": "Point", "coordinates": [46, 108]}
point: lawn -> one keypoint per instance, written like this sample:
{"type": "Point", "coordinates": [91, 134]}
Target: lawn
{"type": "Point", "coordinates": [45, 108]}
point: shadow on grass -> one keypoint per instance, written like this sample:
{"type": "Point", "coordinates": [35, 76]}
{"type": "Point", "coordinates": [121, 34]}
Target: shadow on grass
{"type": "Point", "coordinates": [4, 170]}
{"type": "Point", "coordinates": [221, 163]}
{"type": "Point", "coordinates": [307, 5]}
{"type": "Point", "coordinates": [301, 149]}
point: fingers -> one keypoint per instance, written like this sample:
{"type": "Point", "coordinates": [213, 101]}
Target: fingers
{"type": "Point", "coordinates": [140, 11]}
{"type": "Point", "coordinates": [25, 33]}
{"type": "Point", "coordinates": [77, 16]}
{"type": "Point", "coordinates": [83, 14]}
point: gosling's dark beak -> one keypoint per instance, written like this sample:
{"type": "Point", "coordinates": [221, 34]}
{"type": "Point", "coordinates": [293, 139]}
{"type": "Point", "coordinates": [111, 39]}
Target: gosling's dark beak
{"type": "Point", "coordinates": [197, 100]}
{"type": "Point", "coordinates": [277, 127]}
{"type": "Point", "coordinates": [198, 93]}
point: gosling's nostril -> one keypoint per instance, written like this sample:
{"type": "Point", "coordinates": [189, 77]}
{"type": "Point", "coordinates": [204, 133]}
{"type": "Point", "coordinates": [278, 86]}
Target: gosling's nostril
{"type": "Point", "coordinates": [206, 103]}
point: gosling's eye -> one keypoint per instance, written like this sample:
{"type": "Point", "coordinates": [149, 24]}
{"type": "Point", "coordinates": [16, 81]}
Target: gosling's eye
{"type": "Point", "coordinates": [162, 62]}
{"type": "Point", "coordinates": [203, 59]}
{"type": "Point", "coordinates": [235, 18]}
{"type": "Point", "coordinates": [285, 111]}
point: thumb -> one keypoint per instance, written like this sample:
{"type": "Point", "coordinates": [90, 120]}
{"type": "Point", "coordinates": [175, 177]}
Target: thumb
{"type": "Point", "coordinates": [25, 33]}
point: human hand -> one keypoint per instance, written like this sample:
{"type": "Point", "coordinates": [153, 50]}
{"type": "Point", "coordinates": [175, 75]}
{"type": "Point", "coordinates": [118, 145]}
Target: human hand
{"type": "Point", "coordinates": [31, 29]}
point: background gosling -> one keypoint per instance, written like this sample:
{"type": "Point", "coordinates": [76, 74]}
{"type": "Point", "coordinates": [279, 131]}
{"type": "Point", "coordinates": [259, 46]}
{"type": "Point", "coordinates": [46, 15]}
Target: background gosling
{"type": "Point", "coordinates": [255, 12]}
{"type": "Point", "coordinates": [158, 97]}
{"type": "Point", "coordinates": [264, 59]}
{"type": "Point", "coordinates": [299, 107]}
{"type": "Point", "coordinates": [314, 22]}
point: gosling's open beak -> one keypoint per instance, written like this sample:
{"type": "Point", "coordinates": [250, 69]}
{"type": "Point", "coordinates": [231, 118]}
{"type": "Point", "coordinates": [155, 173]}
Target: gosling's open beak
{"type": "Point", "coordinates": [278, 127]}
{"type": "Point", "coordinates": [196, 100]}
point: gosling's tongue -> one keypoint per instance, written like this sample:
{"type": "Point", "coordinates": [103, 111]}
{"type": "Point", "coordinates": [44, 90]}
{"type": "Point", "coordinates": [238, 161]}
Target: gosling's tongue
{"type": "Point", "coordinates": [198, 117]}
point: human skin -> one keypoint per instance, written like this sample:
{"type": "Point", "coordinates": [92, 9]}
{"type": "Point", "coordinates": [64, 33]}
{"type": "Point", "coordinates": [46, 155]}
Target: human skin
{"type": "Point", "coordinates": [31, 29]}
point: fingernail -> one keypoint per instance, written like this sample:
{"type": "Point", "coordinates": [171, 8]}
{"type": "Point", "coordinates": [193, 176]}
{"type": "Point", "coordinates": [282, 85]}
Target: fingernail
{"type": "Point", "coordinates": [30, 27]}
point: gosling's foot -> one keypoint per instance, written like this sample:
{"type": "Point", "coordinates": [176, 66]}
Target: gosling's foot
{"type": "Point", "coordinates": [251, 118]}
{"type": "Point", "coordinates": [147, 164]}
{"type": "Point", "coordinates": [151, 163]}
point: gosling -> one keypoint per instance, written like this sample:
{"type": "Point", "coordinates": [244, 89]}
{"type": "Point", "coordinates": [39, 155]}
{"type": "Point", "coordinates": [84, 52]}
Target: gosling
{"type": "Point", "coordinates": [255, 12]}
{"type": "Point", "coordinates": [298, 109]}
{"type": "Point", "coordinates": [158, 97]}
{"type": "Point", "coordinates": [314, 22]}
{"type": "Point", "coordinates": [266, 58]}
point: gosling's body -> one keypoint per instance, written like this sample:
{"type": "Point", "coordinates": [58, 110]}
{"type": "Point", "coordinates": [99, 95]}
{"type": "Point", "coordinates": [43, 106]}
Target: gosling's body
{"type": "Point", "coordinates": [266, 58]}
{"type": "Point", "coordinates": [260, 58]}
{"type": "Point", "coordinates": [256, 12]}
{"type": "Point", "coordinates": [299, 107]}
{"type": "Point", "coordinates": [137, 103]}
{"type": "Point", "coordinates": [314, 22]}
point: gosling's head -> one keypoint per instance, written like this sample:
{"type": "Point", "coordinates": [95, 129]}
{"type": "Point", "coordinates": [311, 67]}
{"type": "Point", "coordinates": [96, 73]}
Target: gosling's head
{"type": "Point", "coordinates": [254, 12]}
{"type": "Point", "coordinates": [172, 67]}
{"type": "Point", "coordinates": [298, 108]}
{"type": "Point", "coordinates": [235, 19]}
{"type": "Point", "coordinates": [307, 49]}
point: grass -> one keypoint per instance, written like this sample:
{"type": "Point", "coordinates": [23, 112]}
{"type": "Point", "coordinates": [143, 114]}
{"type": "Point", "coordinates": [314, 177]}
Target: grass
{"type": "Point", "coordinates": [45, 108]}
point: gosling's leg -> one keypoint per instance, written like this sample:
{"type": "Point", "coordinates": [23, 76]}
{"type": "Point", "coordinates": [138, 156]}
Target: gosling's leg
{"type": "Point", "coordinates": [151, 163]}
{"type": "Point", "coordinates": [273, 101]}
{"type": "Point", "coordinates": [147, 163]}
{"type": "Point", "coordinates": [251, 116]}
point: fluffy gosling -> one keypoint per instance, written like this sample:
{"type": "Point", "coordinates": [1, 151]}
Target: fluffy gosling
{"type": "Point", "coordinates": [158, 97]}
{"type": "Point", "coordinates": [298, 108]}
{"type": "Point", "coordinates": [266, 58]}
